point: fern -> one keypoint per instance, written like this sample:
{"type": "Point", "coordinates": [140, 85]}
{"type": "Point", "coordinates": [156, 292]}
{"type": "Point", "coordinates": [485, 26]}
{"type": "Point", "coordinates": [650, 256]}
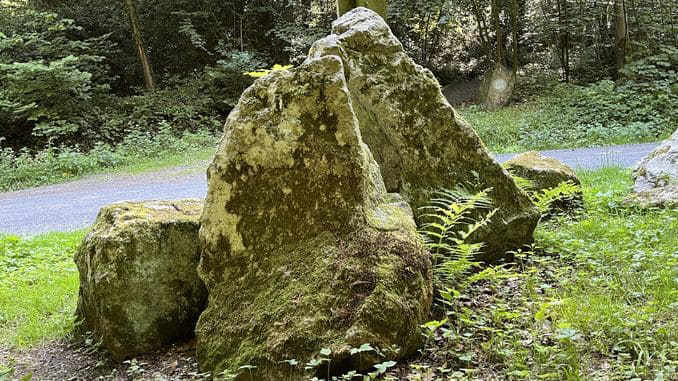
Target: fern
{"type": "Point", "coordinates": [449, 221]}
{"type": "Point", "coordinates": [544, 199]}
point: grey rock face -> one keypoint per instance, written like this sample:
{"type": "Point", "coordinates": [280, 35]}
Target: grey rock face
{"type": "Point", "coordinates": [496, 88]}
{"type": "Point", "coordinates": [139, 284]}
{"type": "Point", "coordinates": [656, 177]}
{"type": "Point", "coordinates": [658, 169]}
{"type": "Point", "coordinates": [413, 132]}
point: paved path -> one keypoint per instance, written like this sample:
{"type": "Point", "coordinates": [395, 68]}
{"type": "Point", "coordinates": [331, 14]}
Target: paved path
{"type": "Point", "coordinates": [74, 205]}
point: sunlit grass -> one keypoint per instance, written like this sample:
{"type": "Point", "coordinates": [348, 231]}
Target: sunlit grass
{"type": "Point", "coordinates": [38, 287]}
{"type": "Point", "coordinates": [621, 292]}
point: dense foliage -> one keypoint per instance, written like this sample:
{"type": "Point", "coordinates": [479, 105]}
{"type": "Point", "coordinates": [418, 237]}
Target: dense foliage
{"type": "Point", "coordinates": [72, 80]}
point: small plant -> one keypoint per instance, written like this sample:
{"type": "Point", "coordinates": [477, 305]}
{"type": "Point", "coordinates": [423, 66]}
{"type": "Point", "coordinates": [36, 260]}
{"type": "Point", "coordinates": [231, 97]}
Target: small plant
{"type": "Point", "coordinates": [453, 216]}
{"type": "Point", "coordinates": [135, 368]}
{"type": "Point", "coordinates": [545, 198]}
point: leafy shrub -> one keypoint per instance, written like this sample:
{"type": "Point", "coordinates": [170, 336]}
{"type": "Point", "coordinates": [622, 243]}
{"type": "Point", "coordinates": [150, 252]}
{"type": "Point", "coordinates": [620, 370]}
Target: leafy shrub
{"type": "Point", "coordinates": [50, 78]}
{"type": "Point", "coordinates": [181, 108]}
{"type": "Point", "coordinates": [226, 80]}
{"type": "Point", "coordinates": [602, 113]}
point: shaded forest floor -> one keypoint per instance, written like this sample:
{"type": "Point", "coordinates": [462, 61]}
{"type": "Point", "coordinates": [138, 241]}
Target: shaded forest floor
{"type": "Point", "coordinates": [594, 298]}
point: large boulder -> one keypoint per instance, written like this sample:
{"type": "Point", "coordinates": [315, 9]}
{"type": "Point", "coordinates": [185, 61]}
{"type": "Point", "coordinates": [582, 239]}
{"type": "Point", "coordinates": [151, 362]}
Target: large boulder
{"type": "Point", "coordinates": [139, 285]}
{"type": "Point", "coordinates": [413, 132]}
{"type": "Point", "coordinates": [546, 173]}
{"type": "Point", "coordinates": [302, 247]}
{"type": "Point", "coordinates": [656, 176]}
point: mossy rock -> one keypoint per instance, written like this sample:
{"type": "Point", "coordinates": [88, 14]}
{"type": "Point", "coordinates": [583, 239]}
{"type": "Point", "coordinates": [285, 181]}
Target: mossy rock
{"type": "Point", "coordinates": [546, 173]}
{"type": "Point", "coordinates": [415, 135]}
{"type": "Point", "coordinates": [139, 285]}
{"type": "Point", "coordinates": [302, 247]}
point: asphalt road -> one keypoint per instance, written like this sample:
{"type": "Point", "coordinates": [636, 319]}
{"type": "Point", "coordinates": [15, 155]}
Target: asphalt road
{"type": "Point", "coordinates": [72, 206]}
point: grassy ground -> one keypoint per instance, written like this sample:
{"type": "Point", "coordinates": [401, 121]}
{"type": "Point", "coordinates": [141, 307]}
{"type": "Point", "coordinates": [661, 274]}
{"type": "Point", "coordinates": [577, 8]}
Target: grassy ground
{"type": "Point", "coordinates": [595, 298]}
{"type": "Point", "coordinates": [536, 125]}
{"type": "Point", "coordinates": [136, 154]}
{"type": "Point", "coordinates": [38, 288]}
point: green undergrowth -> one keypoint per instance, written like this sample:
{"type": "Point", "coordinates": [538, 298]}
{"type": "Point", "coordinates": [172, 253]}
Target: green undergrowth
{"type": "Point", "coordinates": [594, 299]}
{"type": "Point", "coordinates": [570, 116]}
{"type": "Point", "coordinates": [38, 287]}
{"type": "Point", "coordinates": [138, 152]}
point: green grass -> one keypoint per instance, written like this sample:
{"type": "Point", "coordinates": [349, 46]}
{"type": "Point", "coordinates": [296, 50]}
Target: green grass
{"type": "Point", "coordinates": [595, 298]}
{"type": "Point", "coordinates": [499, 130]}
{"type": "Point", "coordinates": [137, 153]}
{"type": "Point", "coordinates": [621, 294]}
{"type": "Point", "coordinates": [38, 288]}
{"type": "Point", "coordinates": [555, 121]}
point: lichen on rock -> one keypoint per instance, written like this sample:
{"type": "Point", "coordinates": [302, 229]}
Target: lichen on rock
{"type": "Point", "coordinates": [139, 285]}
{"type": "Point", "coordinates": [302, 249]}
{"type": "Point", "coordinates": [415, 135]}
{"type": "Point", "coordinates": [659, 168]}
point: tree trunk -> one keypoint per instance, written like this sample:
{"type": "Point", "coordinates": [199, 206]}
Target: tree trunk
{"type": "Point", "coordinates": [620, 34]}
{"type": "Point", "coordinates": [514, 27]}
{"type": "Point", "coordinates": [136, 34]}
{"type": "Point", "coordinates": [379, 6]}
{"type": "Point", "coordinates": [500, 33]}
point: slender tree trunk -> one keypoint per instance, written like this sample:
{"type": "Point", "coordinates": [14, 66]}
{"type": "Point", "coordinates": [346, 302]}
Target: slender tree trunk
{"type": "Point", "coordinates": [564, 38]}
{"type": "Point", "coordinates": [499, 31]}
{"type": "Point", "coordinates": [514, 27]}
{"type": "Point", "coordinates": [620, 35]}
{"type": "Point", "coordinates": [136, 34]}
{"type": "Point", "coordinates": [482, 30]}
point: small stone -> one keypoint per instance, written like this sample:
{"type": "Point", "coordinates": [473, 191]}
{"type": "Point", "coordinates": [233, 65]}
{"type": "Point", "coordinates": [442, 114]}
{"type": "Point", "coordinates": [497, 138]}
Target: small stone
{"type": "Point", "coordinates": [139, 285]}
{"type": "Point", "coordinates": [546, 173]}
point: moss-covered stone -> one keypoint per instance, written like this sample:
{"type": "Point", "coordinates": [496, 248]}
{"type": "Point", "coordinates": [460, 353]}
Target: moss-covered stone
{"type": "Point", "coordinates": [546, 173]}
{"type": "Point", "coordinates": [139, 286]}
{"type": "Point", "coordinates": [413, 132]}
{"type": "Point", "coordinates": [661, 197]}
{"type": "Point", "coordinates": [302, 247]}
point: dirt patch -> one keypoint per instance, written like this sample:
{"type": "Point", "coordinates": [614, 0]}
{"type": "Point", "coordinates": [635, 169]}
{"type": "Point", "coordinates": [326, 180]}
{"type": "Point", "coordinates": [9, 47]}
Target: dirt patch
{"type": "Point", "coordinates": [63, 360]}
